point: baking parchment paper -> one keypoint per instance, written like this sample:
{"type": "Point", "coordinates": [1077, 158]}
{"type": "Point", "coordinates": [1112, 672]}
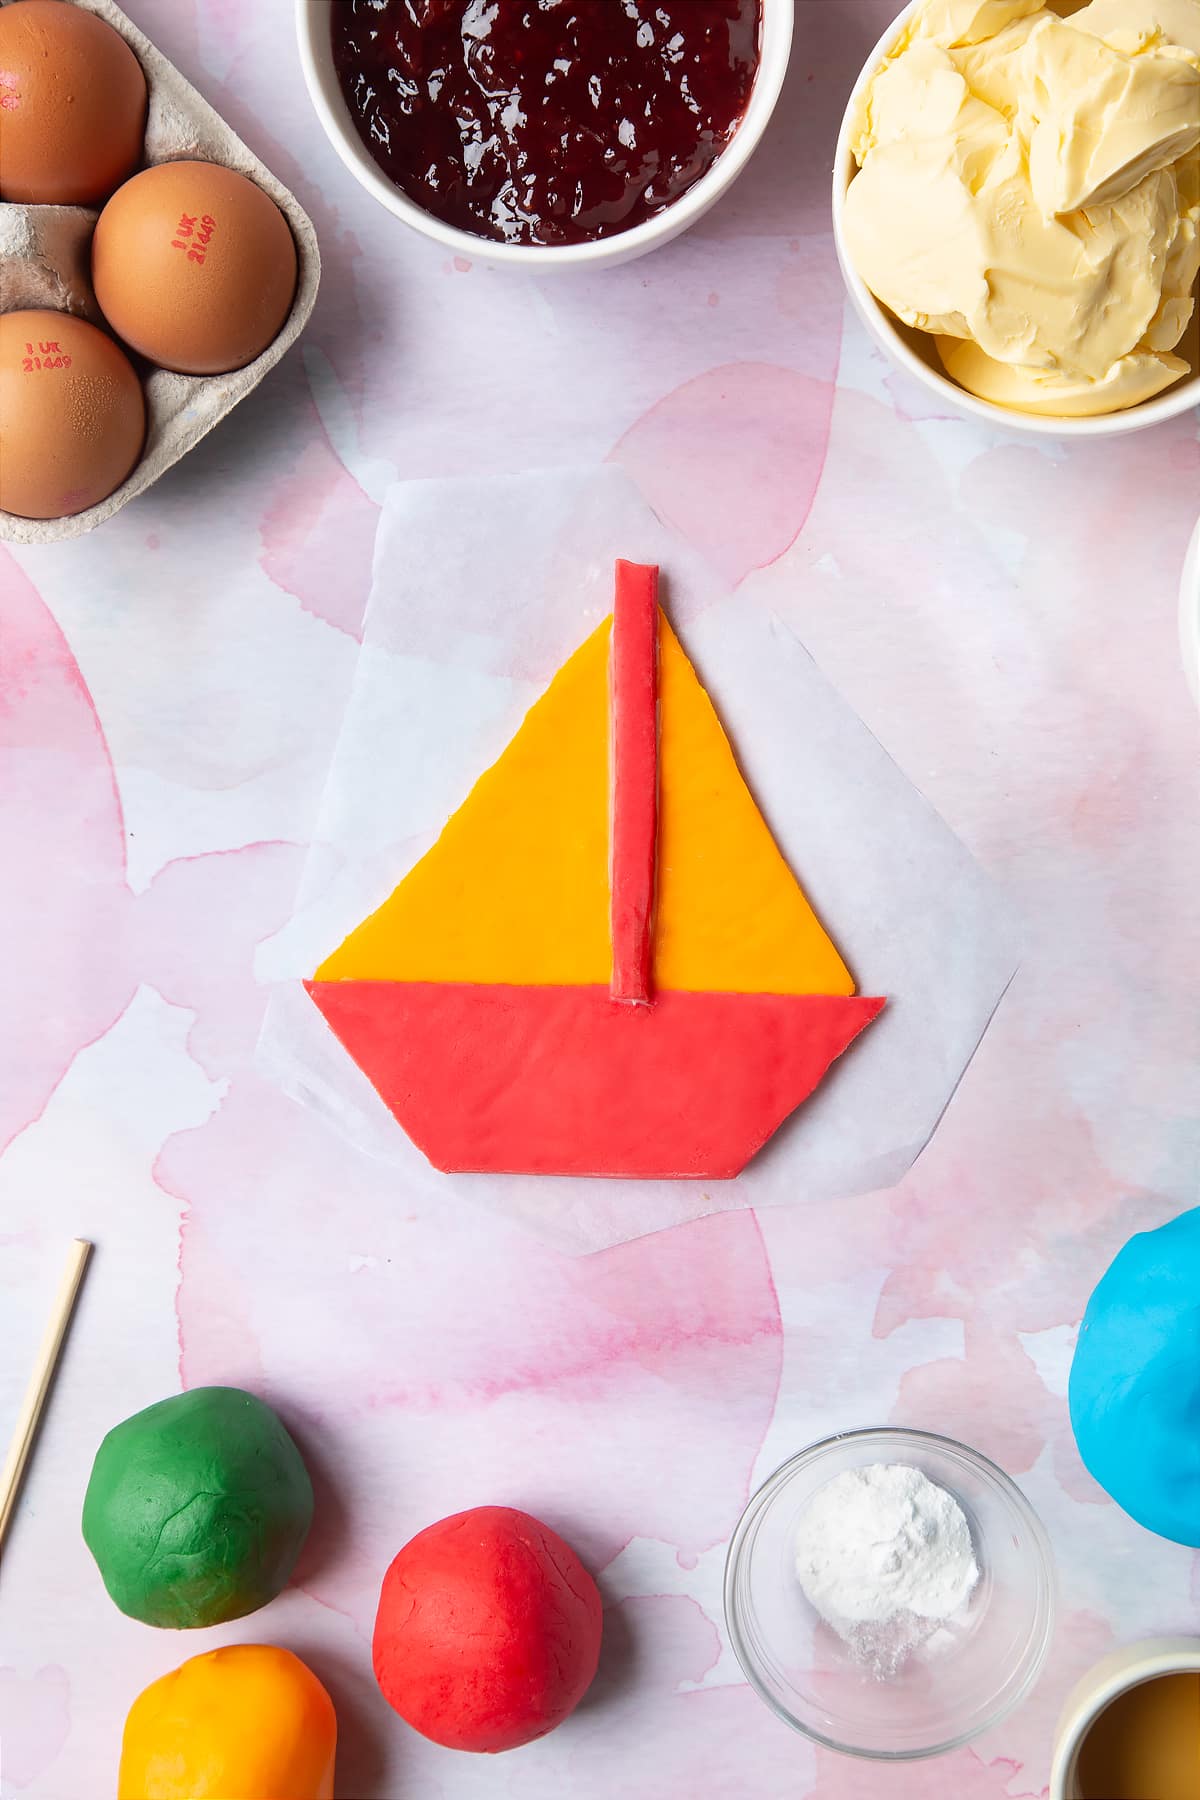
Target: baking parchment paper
{"type": "Point", "coordinates": [481, 590]}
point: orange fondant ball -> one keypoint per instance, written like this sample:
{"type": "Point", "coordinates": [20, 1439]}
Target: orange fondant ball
{"type": "Point", "coordinates": [247, 1723]}
{"type": "Point", "coordinates": [488, 1632]}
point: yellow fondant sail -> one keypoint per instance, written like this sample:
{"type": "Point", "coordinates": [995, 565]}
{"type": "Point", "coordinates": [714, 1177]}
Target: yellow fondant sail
{"type": "Point", "coordinates": [516, 888]}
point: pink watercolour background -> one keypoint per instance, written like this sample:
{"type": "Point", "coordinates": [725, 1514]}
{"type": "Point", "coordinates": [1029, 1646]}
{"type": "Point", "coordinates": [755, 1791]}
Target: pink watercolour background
{"type": "Point", "coordinates": [1002, 617]}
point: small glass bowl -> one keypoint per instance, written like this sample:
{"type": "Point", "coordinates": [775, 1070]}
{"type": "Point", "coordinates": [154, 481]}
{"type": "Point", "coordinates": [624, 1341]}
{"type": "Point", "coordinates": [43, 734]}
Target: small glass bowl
{"type": "Point", "coordinates": [963, 1680]}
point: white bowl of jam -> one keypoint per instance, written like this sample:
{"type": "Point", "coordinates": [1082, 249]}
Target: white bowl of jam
{"type": "Point", "coordinates": [545, 133]}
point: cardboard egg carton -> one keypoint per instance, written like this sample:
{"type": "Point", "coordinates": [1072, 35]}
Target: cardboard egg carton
{"type": "Point", "coordinates": [45, 255]}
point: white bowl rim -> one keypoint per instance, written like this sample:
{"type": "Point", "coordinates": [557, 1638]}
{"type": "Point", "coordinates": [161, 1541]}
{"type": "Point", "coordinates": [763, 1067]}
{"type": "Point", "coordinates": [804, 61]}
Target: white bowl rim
{"type": "Point", "coordinates": [778, 19]}
{"type": "Point", "coordinates": [1170, 405]}
{"type": "Point", "coordinates": [896, 1436]}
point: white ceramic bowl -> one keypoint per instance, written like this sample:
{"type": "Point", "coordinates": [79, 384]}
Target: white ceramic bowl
{"type": "Point", "coordinates": [915, 350]}
{"type": "Point", "coordinates": [316, 56]}
{"type": "Point", "coordinates": [1189, 615]}
{"type": "Point", "coordinates": [967, 1678]}
{"type": "Point", "coordinates": [1118, 1673]}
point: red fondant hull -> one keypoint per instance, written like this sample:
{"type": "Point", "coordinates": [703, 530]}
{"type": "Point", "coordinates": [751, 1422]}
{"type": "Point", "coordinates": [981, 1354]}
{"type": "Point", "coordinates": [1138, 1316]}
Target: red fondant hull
{"type": "Point", "coordinates": [566, 1081]}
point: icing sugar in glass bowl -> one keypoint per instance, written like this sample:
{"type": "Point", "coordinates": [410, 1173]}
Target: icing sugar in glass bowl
{"type": "Point", "coordinates": [886, 1558]}
{"type": "Point", "coordinates": [957, 1683]}
{"type": "Point", "coordinates": [582, 216]}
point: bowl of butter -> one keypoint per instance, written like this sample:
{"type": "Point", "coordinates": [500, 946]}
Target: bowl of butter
{"type": "Point", "coordinates": [1017, 208]}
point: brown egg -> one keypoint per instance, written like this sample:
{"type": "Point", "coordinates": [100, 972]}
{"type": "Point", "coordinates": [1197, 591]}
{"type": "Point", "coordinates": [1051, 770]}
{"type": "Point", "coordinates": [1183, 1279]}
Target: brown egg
{"type": "Point", "coordinates": [72, 416]}
{"type": "Point", "coordinates": [72, 105]}
{"type": "Point", "coordinates": [194, 267]}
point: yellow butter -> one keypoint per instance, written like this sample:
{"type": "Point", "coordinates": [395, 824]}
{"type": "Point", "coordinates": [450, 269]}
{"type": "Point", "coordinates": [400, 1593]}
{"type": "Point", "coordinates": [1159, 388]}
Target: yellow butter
{"type": "Point", "coordinates": [1130, 381]}
{"type": "Point", "coordinates": [1142, 22]}
{"type": "Point", "coordinates": [1035, 193]}
{"type": "Point", "coordinates": [1102, 119]}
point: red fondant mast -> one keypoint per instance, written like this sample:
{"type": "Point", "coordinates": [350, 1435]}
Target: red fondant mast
{"type": "Point", "coordinates": [633, 753]}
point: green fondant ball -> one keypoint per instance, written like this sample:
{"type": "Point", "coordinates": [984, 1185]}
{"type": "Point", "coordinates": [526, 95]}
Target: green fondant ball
{"type": "Point", "coordinates": [197, 1508]}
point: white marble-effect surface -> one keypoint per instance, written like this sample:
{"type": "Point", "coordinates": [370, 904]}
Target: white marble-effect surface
{"type": "Point", "coordinates": [1003, 618]}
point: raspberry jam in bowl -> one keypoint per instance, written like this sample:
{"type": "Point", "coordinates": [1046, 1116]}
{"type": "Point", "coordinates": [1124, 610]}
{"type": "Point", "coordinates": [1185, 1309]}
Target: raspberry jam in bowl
{"type": "Point", "coordinates": [545, 132]}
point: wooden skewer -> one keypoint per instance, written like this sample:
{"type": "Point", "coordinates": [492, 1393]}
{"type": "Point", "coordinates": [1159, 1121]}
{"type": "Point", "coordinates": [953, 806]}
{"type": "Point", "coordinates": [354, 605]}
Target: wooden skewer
{"type": "Point", "coordinates": [40, 1381]}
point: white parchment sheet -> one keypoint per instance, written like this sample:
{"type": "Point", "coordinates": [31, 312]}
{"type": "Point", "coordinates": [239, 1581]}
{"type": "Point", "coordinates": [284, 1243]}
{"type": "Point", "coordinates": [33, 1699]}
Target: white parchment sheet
{"type": "Point", "coordinates": [482, 588]}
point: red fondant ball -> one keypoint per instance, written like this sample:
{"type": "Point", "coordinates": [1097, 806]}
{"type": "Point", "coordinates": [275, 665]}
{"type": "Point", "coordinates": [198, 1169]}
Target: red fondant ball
{"type": "Point", "coordinates": [488, 1632]}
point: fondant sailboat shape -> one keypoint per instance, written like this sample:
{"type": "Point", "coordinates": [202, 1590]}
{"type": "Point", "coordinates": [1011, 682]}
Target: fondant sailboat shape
{"type": "Point", "coordinates": [604, 966]}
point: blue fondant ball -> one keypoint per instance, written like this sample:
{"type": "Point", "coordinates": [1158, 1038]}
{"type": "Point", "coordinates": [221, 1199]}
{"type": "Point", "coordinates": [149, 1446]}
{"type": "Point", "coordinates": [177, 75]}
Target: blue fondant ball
{"type": "Point", "coordinates": [1135, 1383]}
